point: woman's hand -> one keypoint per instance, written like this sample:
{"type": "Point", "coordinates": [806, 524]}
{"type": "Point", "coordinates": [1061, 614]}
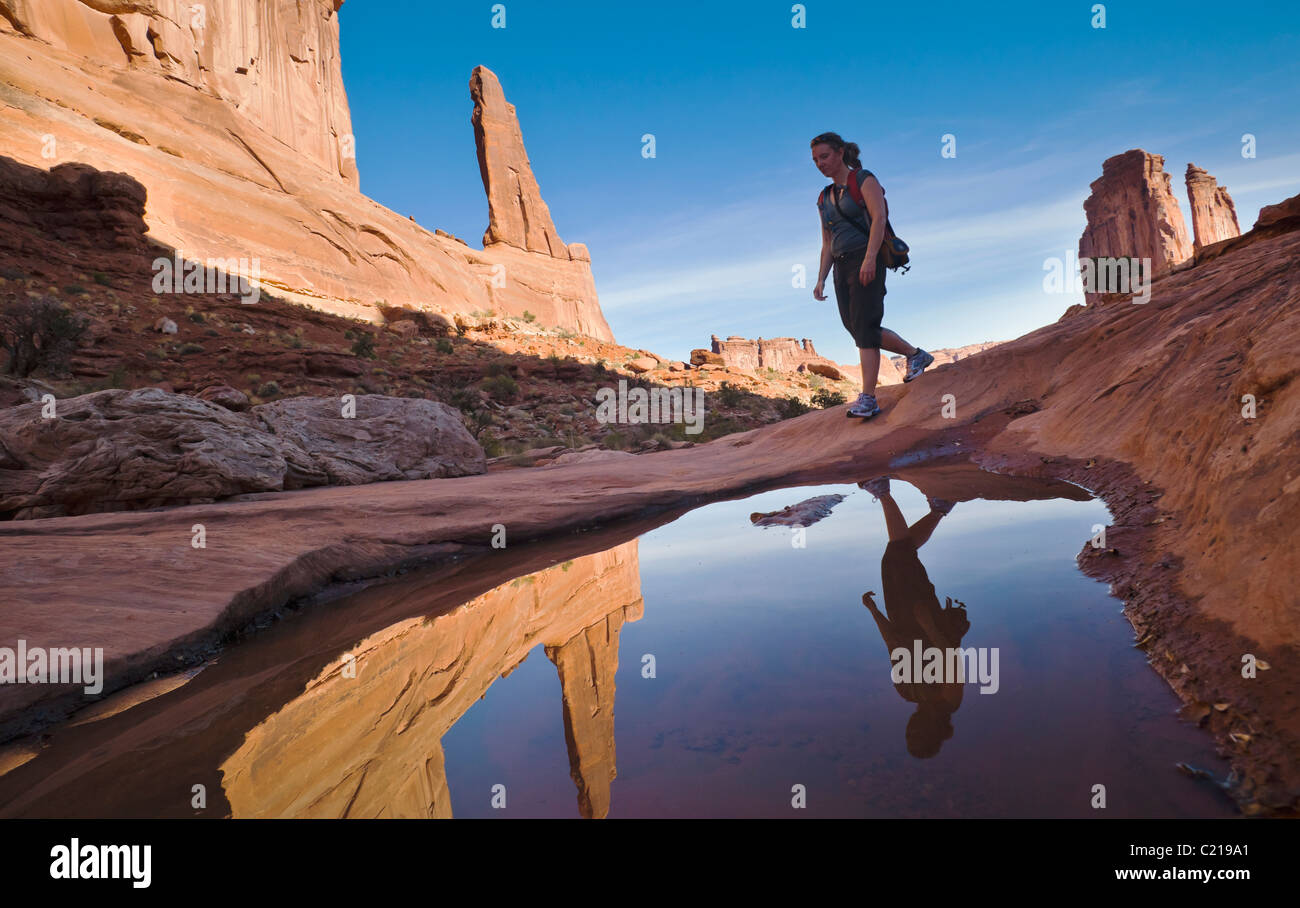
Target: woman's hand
{"type": "Point", "coordinates": [819, 292]}
{"type": "Point", "coordinates": [868, 272]}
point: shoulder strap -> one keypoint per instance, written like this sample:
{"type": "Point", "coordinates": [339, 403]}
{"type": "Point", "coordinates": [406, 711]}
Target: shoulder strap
{"type": "Point", "coordinates": [855, 190]}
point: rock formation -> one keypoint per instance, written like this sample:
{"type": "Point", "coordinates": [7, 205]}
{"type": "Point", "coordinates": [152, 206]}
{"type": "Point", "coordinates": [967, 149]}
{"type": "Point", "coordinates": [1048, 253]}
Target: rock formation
{"type": "Point", "coordinates": [947, 355]}
{"type": "Point", "coordinates": [517, 215]}
{"type": "Point", "coordinates": [276, 63]}
{"type": "Point", "coordinates": [124, 450]}
{"type": "Point", "coordinates": [1214, 217]}
{"type": "Point", "coordinates": [239, 130]}
{"type": "Point", "coordinates": [784, 354]}
{"type": "Point", "coordinates": [370, 745]}
{"type": "Point", "coordinates": [1132, 213]}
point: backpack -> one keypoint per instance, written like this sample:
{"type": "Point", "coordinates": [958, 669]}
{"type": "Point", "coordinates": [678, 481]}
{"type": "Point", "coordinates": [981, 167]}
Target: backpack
{"type": "Point", "coordinates": [895, 251]}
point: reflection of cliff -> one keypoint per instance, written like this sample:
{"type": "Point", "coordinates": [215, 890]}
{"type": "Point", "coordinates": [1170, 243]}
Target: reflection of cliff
{"type": "Point", "coordinates": [370, 745]}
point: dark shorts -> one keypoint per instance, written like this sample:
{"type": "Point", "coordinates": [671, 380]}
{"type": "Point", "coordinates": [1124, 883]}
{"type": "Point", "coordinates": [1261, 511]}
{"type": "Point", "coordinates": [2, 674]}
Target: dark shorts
{"type": "Point", "coordinates": [862, 309]}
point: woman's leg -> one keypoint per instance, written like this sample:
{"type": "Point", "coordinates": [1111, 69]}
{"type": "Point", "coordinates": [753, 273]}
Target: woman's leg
{"type": "Point", "coordinates": [870, 358]}
{"type": "Point", "coordinates": [895, 344]}
{"type": "Point", "coordinates": [895, 523]}
{"type": "Point", "coordinates": [921, 530]}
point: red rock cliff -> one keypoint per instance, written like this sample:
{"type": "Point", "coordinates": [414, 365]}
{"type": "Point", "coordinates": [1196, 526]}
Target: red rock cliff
{"type": "Point", "coordinates": [1132, 212]}
{"type": "Point", "coordinates": [238, 128]}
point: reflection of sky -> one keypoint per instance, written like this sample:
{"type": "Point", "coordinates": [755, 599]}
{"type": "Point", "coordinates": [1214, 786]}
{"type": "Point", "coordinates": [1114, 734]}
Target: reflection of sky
{"type": "Point", "coordinates": [770, 671]}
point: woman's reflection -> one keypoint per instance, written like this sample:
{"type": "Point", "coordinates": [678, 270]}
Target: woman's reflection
{"type": "Point", "coordinates": [914, 614]}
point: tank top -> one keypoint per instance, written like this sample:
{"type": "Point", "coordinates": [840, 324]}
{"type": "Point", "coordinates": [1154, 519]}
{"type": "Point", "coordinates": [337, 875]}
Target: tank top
{"type": "Point", "coordinates": [846, 236]}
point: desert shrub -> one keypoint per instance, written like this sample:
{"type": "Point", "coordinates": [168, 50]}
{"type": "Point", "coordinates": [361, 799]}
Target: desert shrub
{"type": "Point", "coordinates": [270, 389]}
{"type": "Point", "coordinates": [615, 441]}
{"type": "Point", "coordinates": [187, 349]}
{"type": "Point", "coordinates": [74, 289]}
{"type": "Point", "coordinates": [501, 387]}
{"type": "Point", "coordinates": [12, 274]}
{"type": "Point", "coordinates": [100, 278]}
{"type": "Point", "coordinates": [364, 345]}
{"type": "Point", "coordinates": [498, 368]}
{"type": "Point", "coordinates": [730, 394]}
{"type": "Point", "coordinates": [791, 407]}
{"type": "Point", "coordinates": [825, 398]}
{"type": "Point", "coordinates": [816, 381]}
{"type": "Point", "coordinates": [39, 333]}
{"type": "Point", "coordinates": [442, 345]}
{"type": "Point", "coordinates": [529, 317]}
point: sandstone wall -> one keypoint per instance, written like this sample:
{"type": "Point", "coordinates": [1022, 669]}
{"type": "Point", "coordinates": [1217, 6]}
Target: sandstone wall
{"type": "Point", "coordinates": [252, 165]}
{"type": "Point", "coordinates": [275, 62]}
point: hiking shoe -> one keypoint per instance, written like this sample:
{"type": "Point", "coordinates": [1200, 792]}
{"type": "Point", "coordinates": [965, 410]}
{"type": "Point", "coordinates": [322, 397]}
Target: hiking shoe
{"type": "Point", "coordinates": [864, 407]}
{"type": "Point", "coordinates": [916, 364]}
{"type": "Point", "coordinates": [941, 505]}
{"type": "Point", "coordinates": [877, 487]}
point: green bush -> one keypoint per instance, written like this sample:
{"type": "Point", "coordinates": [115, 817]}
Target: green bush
{"type": "Point", "coordinates": [731, 395]}
{"type": "Point", "coordinates": [74, 289]}
{"type": "Point", "coordinates": [501, 387]}
{"type": "Point", "coordinates": [270, 389]}
{"type": "Point", "coordinates": [39, 333]}
{"type": "Point", "coordinates": [100, 278]}
{"type": "Point", "coordinates": [444, 346]}
{"type": "Point", "coordinates": [529, 317]}
{"type": "Point", "coordinates": [364, 345]}
{"type": "Point", "coordinates": [791, 407]}
{"type": "Point", "coordinates": [187, 349]}
{"type": "Point", "coordinates": [826, 398]}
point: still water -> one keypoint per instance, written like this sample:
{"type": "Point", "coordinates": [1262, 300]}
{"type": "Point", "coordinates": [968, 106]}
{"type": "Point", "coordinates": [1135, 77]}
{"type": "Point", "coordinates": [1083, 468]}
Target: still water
{"type": "Point", "coordinates": [710, 667]}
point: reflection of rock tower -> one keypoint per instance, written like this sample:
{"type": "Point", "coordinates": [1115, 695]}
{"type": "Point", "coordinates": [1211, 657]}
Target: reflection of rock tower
{"type": "Point", "coordinates": [587, 664]}
{"type": "Point", "coordinates": [369, 743]}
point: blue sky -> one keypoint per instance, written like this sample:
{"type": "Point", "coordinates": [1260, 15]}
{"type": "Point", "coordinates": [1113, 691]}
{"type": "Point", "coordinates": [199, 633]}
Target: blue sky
{"type": "Point", "coordinates": [702, 238]}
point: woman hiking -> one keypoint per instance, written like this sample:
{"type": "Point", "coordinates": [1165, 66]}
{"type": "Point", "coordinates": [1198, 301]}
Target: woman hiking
{"type": "Point", "coordinates": [852, 238]}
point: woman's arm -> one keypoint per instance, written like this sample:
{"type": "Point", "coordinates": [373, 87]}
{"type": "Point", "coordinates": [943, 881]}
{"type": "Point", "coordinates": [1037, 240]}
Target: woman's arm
{"type": "Point", "coordinates": [874, 196]}
{"type": "Point", "coordinates": [825, 266]}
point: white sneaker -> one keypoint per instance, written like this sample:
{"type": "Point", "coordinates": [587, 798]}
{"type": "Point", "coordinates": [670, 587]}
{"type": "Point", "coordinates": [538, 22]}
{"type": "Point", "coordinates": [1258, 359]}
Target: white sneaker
{"type": "Point", "coordinates": [864, 407]}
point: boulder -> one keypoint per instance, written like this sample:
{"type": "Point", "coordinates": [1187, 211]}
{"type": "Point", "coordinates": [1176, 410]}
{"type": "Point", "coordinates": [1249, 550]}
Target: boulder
{"type": "Point", "coordinates": [825, 370]}
{"type": "Point", "coordinates": [125, 450]}
{"type": "Point", "coordinates": [700, 357]}
{"type": "Point", "coordinates": [164, 325]}
{"type": "Point", "coordinates": [405, 328]}
{"type": "Point", "coordinates": [225, 396]}
{"type": "Point", "coordinates": [643, 364]}
{"type": "Point", "coordinates": [387, 438]}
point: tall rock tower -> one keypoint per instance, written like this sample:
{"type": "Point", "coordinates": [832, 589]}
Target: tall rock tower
{"type": "Point", "coordinates": [1132, 213]}
{"type": "Point", "coordinates": [1214, 217]}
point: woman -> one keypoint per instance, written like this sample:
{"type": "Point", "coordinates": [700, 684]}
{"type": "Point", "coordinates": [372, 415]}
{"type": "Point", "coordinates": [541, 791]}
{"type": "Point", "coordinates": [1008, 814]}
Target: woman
{"type": "Point", "coordinates": [852, 238]}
